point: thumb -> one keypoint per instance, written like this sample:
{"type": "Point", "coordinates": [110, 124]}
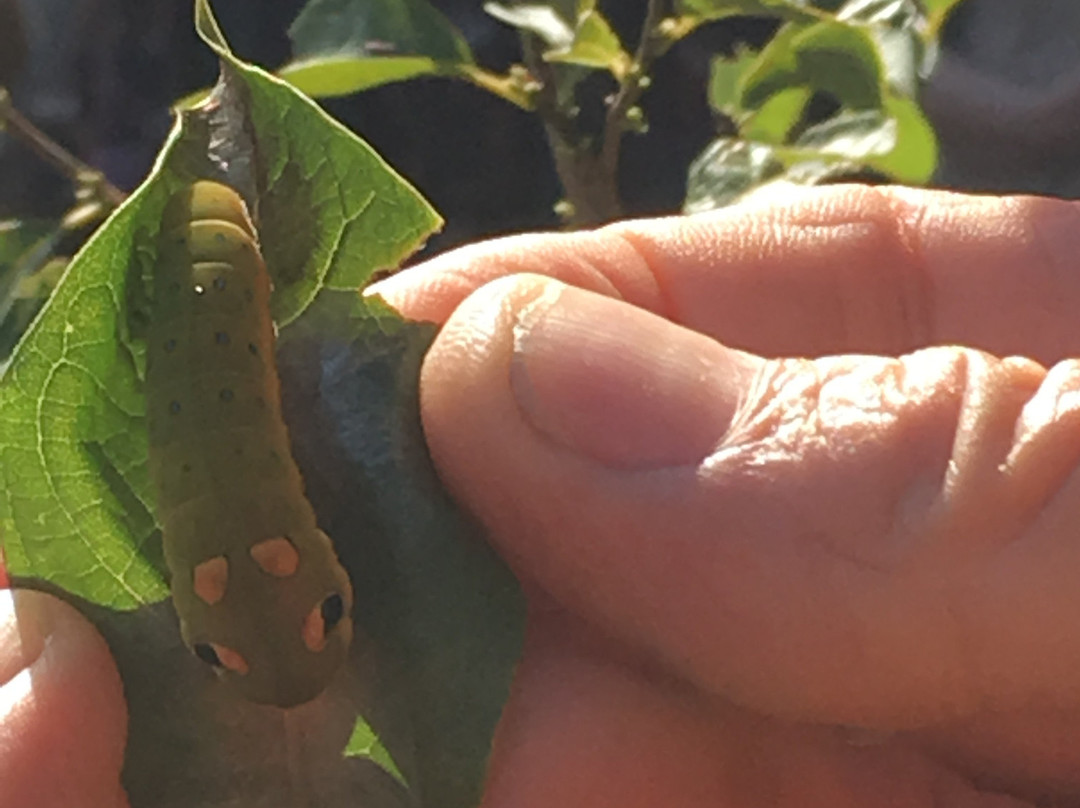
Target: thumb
{"type": "Point", "coordinates": [806, 538]}
{"type": "Point", "coordinates": [62, 716]}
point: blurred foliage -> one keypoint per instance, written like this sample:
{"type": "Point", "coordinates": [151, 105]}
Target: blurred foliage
{"type": "Point", "coordinates": [862, 63]}
{"type": "Point", "coordinates": [831, 95]}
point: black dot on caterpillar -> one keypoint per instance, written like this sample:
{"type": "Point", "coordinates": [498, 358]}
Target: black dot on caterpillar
{"type": "Point", "coordinates": [260, 594]}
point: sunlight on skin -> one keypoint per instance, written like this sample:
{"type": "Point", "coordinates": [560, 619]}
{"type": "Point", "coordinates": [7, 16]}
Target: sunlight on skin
{"type": "Point", "coordinates": [13, 693]}
{"type": "Point", "coordinates": [898, 562]}
{"type": "Point", "coordinates": [62, 716]}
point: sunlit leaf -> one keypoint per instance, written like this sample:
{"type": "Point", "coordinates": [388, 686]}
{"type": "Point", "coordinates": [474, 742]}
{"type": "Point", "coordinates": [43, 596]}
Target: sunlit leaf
{"type": "Point", "coordinates": [854, 135]}
{"type": "Point", "coordinates": [711, 10]}
{"type": "Point", "coordinates": [915, 157]}
{"type": "Point", "coordinates": [725, 171]}
{"type": "Point", "coordinates": [595, 44]}
{"type": "Point", "coordinates": [342, 47]}
{"type": "Point", "coordinates": [725, 75]}
{"type": "Point", "coordinates": [830, 57]}
{"type": "Point", "coordinates": [774, 120]}
{"type": "Point", "coordinates": [897, 26]}
{"type": "Point", "coordinates": [365, 743]}
{"type": "Point", "coordinates": [376, 28]}
{"type": "Point", "coordinates": [541, 19]}
{"type": "Point", "coordinates": [331, 76]}
{"type": "Point", "coordinates": [938, 12]}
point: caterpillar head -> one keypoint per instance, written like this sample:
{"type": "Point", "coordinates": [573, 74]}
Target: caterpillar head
{"type": "Point", "coordinates": [272, 620]}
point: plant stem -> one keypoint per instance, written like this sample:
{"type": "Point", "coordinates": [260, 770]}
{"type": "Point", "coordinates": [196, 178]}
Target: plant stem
{"type": "Point", "coordinates": [590, 175]}
{"type": "Point", "coordinates": [502, 86]}
{"type": "Point", "coordinates": [592, 197]}
{"type": "Point", "coordinates": [652, 45]}
{"type": "Point", "coordinates": [80, 174]}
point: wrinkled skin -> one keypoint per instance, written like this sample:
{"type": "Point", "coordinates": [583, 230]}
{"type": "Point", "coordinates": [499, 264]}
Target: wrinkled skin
{"type": "Point", "coordinates": [844, 580]}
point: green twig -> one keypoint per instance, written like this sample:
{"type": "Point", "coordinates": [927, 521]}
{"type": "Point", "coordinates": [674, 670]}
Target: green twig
{"type": "Point", "coordinates": [589, 175]}
{"type": "Point", "coordinates": [654, 42]}
{"type": "Point", "coordinates": [590, 197]}
{"type": "Point", "coordinates": [80, 174]}
{"type": "Point", "coordinates": [506, 87]}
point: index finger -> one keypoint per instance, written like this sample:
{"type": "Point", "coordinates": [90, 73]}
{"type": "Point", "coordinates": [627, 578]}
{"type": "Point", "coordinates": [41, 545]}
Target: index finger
{"type": "Point", "coordinates": [842, 269]}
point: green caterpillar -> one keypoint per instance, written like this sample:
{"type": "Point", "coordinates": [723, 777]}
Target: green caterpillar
{"type": "Point", "coordinates": [258, 588]}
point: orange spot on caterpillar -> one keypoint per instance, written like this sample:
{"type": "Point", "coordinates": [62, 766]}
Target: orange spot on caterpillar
{"type": "Point", "coordinates": [276, 557]}
{"type": "Point", "coordinates": [230, 659]}
{"type": "Point", "coordinates": [210, 579]}
{"type": "Point", "coordinates": [314, 631]}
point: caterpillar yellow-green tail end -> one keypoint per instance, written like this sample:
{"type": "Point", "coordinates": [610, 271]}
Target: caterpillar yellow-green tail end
{"type": "Point", "coordinates": [260, 593]}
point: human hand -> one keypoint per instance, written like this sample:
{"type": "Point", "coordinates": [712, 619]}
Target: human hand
{"type": "Point", "coordinates": [63, 721]}
{"type": "Point", "coordinates": [741, 570]}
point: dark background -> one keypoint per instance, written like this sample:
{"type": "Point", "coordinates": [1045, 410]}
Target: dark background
{"type": "Point", "coordinates": [99, 75]}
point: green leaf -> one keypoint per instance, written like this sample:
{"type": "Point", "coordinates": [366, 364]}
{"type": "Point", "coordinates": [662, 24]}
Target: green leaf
{"type": "Point", "coordinates": [938, 11]}
{"type": "Point", "coordinates": [831, 57]}
{"type": "Point", "coordinates": [898, 29]}
{"type": "Point", "coordinates": [541, 19]}
{"type": "Point", "coordinates": [595, 45]}
{"type": "Point", "coordinates": [317, 231]}
{"type": "Point", "coordinates": [346, 46]}
{"type": "Point", "coordinates": [17, 236]}
{"type": "Point", "coordinates": [896, 142]}
{"type": "Point", "coordinates": [724, 92]}
{"type": "Point", "coordinates": [341, 47]}
{"type": "Point", "coordinates": [431, 594]}
{"type": "Point", "coordinates": [70, 424]}
{"type": "Point", "coordinates": [364, 742]}
{"type": "Point", "coordinates": [333, 76]}
{"type": "Point", "coordinates": [26, 248]}
{"type": "Point", "coordinates": [915, 157]}
{"type": "Point", "coordinates": [376, 28]}
{"type": "Point", "coordinates": [589, 42]}
{"type": "Point", "coordinates": [710, 10]}
{"type": "Point", "coordinates": [856, 136]}
{"type": "Point", "coordinates": [777, 117]}
{"type": "Point", "coordinates": [725, 171]}
{"type": "Point", "coordinates": [775, 68]}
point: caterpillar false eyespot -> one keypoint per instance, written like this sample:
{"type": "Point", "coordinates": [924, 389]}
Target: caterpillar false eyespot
{"type": "Point", "coordinates": [260, 593]}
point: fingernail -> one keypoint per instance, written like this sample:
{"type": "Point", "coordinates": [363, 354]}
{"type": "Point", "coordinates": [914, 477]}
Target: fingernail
{"type": "Point", "coordinates": [26, 621]}
{"type": "Point", "coordinates": [620, 385]}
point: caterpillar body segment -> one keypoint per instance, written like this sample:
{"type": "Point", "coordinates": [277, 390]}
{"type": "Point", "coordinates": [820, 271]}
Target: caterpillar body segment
{"type": "Point", "coordinates": [258, 588]}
